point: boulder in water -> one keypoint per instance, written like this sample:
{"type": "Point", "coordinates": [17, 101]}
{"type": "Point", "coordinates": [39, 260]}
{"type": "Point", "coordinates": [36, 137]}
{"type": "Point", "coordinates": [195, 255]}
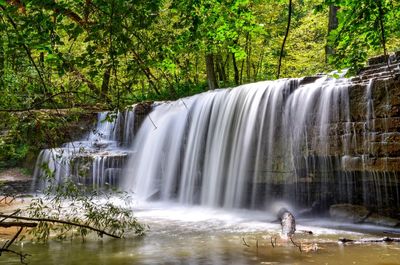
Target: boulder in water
{"type": "Point", "coordinates": [348, 212]}
{"type": "Point", "coordinates": [360, 214]}
{"type": "Point", "coordinates": [382, 220]}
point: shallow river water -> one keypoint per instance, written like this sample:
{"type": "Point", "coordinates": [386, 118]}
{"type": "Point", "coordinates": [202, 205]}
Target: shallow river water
{"type": "Point", "coordinates": [199, 236]}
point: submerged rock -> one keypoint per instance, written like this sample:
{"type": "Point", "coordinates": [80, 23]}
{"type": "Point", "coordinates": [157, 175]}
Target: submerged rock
{"type": "Point", "coordinates": [382, 220]}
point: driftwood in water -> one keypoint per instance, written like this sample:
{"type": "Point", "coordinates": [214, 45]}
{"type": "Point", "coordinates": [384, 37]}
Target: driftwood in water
{"type": "Point", "coordinates": [288, 222]}
{"type": "Point", "coordinates": [369, 240]}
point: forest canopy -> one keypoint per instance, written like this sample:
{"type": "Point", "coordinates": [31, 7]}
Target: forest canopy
{"type": "Point", "coordinates": [66, 53]}
{"type": "Point", "coordinates": [108, 54]}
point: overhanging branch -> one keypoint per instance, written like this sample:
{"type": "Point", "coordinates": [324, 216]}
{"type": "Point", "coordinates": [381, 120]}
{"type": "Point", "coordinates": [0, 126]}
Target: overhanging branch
{"type": "Point", "coordinates": [49, 220]}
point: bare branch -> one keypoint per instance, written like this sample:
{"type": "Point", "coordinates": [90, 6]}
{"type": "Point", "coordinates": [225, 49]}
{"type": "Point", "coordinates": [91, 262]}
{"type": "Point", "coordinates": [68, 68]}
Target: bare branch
{"type": "Point", "coordinates": [273, 242]}
{"type": "Point", "coordinates": [369, 240]}
{"type": "Point", "coordinates": [21, 255]}
{"type": "Point", "coordinates": [8, 243]}
{"type": "Point", "coordinates": [17, 224]}
{"type": "Point", "coordinates": [245, 243]}
{"type": "Point", "coordinates": [10, 216]}
{"type": "Point", "coordinates": [295, 244]}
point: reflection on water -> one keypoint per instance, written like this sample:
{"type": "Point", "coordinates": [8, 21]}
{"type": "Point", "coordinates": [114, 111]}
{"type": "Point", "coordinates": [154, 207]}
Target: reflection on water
{"type": "Point", "coordinates": [197, 236]}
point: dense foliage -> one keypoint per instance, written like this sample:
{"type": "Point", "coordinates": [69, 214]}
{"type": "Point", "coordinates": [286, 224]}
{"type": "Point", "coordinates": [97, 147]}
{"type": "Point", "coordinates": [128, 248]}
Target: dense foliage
{"type": "Point", "coordinates": [365, 28]}
{"type": "Point", "coordinates": [111, 53]}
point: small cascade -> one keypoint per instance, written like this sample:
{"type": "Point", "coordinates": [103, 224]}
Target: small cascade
{"type": "Point", "coordinates": [97, 159]}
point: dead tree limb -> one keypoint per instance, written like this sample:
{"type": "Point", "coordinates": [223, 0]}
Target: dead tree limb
{"type": "Point", "coordinates": [10, 216]}
{"type": "Point", "coordinates": [12, 198]}
{"type": "Point", "coordinates": [273, 242]}
{"type": "Point", "coordinates": [17, 224]}
{"type": "Point", "coordinates": [22, 256]}
{"type": "Point", "coordinates": [369, 240]}
{"type": "Point", "coordinates": [245, 243]}
{"type": "Point", "coordinates": [8, 243]}
{"type": "Point", "coordinates": [295, 244]}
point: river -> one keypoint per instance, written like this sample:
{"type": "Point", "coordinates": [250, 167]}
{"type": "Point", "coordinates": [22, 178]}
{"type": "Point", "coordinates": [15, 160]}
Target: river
{"type": "Point", "coordinates": [198, 236]}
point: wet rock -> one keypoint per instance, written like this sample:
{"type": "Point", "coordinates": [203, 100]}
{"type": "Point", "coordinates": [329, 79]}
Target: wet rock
{"type": "Point", "coordinates": [141, 113]}
{"type": "Point", "coordinates": [143, 108]}
{"type": "Point", "coordinates": [11, 188]}
{"type": "Point", "coordinates": [382, 220]}
{"type": "Point", "coordinates": [309, 79]}
{"type": "Point", "coordinates": [348, 212]}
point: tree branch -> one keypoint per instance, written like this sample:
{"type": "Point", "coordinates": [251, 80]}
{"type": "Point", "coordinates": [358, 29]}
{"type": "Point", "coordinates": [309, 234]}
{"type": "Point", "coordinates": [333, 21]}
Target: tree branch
{"type": "Point", "coordinates": [17, 224]}
{"type": "Point", "coordinates": [381, 23]}
{"type": "Point", "coordinates": [21, 255]}
{"type": "Point", "coordinates": [49, 220]}
{"type": "Point", "coordinates": [8, 243]}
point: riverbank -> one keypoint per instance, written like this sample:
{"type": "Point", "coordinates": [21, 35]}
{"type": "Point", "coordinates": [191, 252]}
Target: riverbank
{"type": "Point", "coordinates": [14, 181]}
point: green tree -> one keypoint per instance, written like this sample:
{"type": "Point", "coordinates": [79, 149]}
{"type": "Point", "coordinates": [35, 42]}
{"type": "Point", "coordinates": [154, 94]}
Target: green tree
{"type": "Point", "coordinates": [365, 28]}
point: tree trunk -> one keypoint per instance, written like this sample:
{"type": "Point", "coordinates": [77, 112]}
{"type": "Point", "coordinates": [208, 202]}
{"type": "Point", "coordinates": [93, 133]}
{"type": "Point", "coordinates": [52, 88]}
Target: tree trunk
{"type": "Point", "coordinates": [382, 25]}
{"type": "Point", "coordinates": [332, 24]}
{"type": "Point", "coordinates": [285, 38]}
{"type": "Point", "coordinates": [106, 82]}
{"type": "Point", "coordinates": [248, 54]}
{"type": "Point", "coordinates": [2, 60]}
{"type": "Point", "coordinates": [211, 78]}
{"type": "Point", "coordinates": [220, 68]}
{"type": "Point", "coordinates": [235, 69]}
{"type": "Point", "coordinates": [196, 76]}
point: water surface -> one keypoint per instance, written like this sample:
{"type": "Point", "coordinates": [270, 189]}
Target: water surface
{"type": "Point", "coordinates": [199, 236]}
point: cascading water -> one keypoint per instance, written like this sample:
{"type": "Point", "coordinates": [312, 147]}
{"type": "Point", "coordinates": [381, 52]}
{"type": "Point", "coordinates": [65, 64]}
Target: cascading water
{"type": "Point", "coordinates": [96, 159]}
{"type": "Point", "coordinates": [299, 140]}
{"type": "Point", "coordinates": [240, 147]}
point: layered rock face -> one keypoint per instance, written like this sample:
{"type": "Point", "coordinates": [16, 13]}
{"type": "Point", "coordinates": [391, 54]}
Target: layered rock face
{"type": "Point", "coordinates": [361, 158]}
{"type": "Point", "coordinates": [374, 138]}
{"type": "Point", "coordinates": [96, 159]}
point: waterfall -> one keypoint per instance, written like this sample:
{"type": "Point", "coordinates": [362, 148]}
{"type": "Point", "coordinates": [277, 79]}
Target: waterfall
{"type": "Point", "coordinates": [308, 141]}
{"type": "Point", "coordinates": [96, 159]}
{"type": "Point", "coordinates": [239, 147]}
